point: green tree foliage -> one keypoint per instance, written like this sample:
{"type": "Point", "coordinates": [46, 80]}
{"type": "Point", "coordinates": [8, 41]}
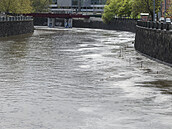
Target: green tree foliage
{"type": "Point", "coordinates": [128, 8]}
{"type": "Point", "coordinates": [125, 8]}
{"type": "Point", "coordinates": [24, 6]}
{"type": "Point", "coordinates": [15, 6]}
{"type": "Point", "coordinates": [118, 8]}
{"type": "Point", "coordinates": [8, 6]}
{"type": "Point", "coordinates": [145, 6]}
{"type": "Point", "coordinates": [169, 11]}
{"type": "Point", "coordinates": [40, 5]}
{"type": "Point", "coordinates": [111, 9]}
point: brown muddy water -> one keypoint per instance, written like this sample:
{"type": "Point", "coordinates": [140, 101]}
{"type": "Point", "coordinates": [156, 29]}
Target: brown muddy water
{"type": "Point", "coordinates": [81, 79]}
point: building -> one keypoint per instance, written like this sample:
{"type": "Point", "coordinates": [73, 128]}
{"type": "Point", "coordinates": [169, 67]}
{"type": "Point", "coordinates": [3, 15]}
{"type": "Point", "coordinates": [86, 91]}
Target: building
{"type": "Point", "coordinates": [94, 6]}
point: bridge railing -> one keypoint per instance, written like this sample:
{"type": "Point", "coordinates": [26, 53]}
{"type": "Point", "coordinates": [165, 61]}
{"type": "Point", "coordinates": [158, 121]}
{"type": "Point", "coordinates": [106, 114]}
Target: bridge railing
{"type": "Point", "coordinates": [15, 18]}
{"type": "Point", "coordinates": [155, 25]}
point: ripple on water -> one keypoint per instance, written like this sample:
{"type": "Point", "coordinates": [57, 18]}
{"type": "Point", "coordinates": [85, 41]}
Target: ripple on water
{"type": "Point", "coordinates": [81, 79]}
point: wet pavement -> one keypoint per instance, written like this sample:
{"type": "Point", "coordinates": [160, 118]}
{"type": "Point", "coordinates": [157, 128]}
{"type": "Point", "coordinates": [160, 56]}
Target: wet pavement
{"type": "Point", "coordinates": [81, 79]}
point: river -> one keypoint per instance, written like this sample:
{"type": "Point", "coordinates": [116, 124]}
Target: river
{"type": "Point", "coordinates": [81, 79]}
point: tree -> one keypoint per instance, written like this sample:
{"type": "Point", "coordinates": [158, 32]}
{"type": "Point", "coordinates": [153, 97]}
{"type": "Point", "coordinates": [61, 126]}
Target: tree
{"type": "Point", "coordinates": [125, 8]}
{"type": "Point", "coordinates": [8, 6]}
{"type": "Point", "coordinates": [24, 6]}
{"type": "Point", "coordinates": [128, 8]}
{"type": "Point", "coordinates": [118, 8]}
{"type": "Point", "coordinates": [15, 6]}
{"type": "Point", "coordinates": [169, 11]}
{"type": "Point", "coordinates": [110, 10]}
{"type": "Point", "coordinates": [145, 6]}
{"type": "Point", "coordinates": [40, 5]}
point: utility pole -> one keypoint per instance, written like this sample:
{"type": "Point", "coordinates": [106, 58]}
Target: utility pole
{"type": "Point", "coordinates": [165, 10]}
{"type": "Point", "coordinates": [79, 5]}
{"type": "Point", "coordinates": [153, 10]}
{"type": "Point", "coordinates": [161, 13]}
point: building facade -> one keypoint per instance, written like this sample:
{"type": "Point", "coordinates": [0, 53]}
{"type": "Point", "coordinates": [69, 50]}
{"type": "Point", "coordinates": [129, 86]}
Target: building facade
{"type": "Point", "coordinates": [79, 5]}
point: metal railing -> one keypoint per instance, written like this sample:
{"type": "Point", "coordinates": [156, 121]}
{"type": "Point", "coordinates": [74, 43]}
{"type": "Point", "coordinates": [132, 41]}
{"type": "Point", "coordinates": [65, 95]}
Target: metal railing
{"type": "Point", "coordinates": [155, 25]}
{"type": "Point", "coordinates": [15, 18]}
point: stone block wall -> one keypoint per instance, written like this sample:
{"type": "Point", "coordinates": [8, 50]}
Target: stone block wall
{"type": "Point", "coordinates": [117, 24]}
{"type": "Point", "coordinates": [121, 24]}
{"type": "Point", "coordinates": [154, 43]}
{"type": "Point", "coordinates": [40, 21]}
{"type": "Point", "coordinates": [10, 28]}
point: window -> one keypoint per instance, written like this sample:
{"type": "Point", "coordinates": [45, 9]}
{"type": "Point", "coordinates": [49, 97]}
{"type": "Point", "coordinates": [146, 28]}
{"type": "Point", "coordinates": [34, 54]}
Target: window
{"type": "Point", "coordinates": [74, 2]}
{"type": "Point", "coordinates": [54, 1]}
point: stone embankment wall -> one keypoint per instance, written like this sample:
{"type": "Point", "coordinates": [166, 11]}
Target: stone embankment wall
{"type": "Point", "coordinates": [40, 21]}
{"type": "Point", "coordinates": [155, 41]}
{"type": "Point", "coordinates": [15, 26]}
{"type": "Point", "coordinates": [121, 24]}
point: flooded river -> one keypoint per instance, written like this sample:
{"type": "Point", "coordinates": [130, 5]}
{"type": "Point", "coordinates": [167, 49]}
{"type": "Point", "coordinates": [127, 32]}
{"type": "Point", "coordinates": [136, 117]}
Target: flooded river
{"type": "Point", "coordinates": [81, 79]}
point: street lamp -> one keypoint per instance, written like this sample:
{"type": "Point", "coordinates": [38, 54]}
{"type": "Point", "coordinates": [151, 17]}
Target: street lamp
{"type": "Point", "coordinates": [165, 10]}
{"type": "Point", "coordinates": [79, 5]}
{"type": "Point", "coordinates": [153, 10]}
{"type": "Point", "coordinates": [86, 4]}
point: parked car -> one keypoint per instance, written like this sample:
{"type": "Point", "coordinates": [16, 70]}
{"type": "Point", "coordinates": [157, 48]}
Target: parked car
{"type": "Point", "coordinates": [161, 19]}
{"type": "Point", "coordinates": [168, 20]}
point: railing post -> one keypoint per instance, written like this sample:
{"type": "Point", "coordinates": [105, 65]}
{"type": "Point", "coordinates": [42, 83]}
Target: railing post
{"type": "Point", "coordinates": [154, 25]}
{"type": "Point", "coordinates": [170, 27]}
{"type": "Point", "coordinates": [167, 26]}
{"type": "Point", "coordinates": [157, 25]}
{"type": "Point", "coordinates": [148, 24]}
{"type": "Point", "coordinates": [164, 26]}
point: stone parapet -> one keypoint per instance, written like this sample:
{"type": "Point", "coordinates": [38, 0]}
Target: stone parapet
{"type": "Point", "coordinates": [15, 18]}
{"type": "Point", "coordinates": [155, 25]}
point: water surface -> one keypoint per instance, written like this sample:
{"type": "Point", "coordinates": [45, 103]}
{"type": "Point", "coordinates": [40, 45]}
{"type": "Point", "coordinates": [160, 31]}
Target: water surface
{"type": "Point", "coordinates": [81, 79]}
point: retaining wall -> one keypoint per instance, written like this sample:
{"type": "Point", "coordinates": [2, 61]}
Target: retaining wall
{"type": "Point", "coordinates": [121, 24]}
{"type": "Point", "coordinates": [10, 28]}
{"type": "Point", "coordinates": [40, 21]}
{"type": "Point", "coordinates": [155, 43]}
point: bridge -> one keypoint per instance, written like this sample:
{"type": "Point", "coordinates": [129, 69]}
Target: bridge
{"type": "Point", "coordinates": [53, 16]}
{"type": "Point", "coordinates": [56, 15]}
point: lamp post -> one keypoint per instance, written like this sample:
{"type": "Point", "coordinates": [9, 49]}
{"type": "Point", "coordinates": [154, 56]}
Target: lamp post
{"type": "Point", "coordinates": [79, 5]}
{"type": "Point", "coordinates": [165, 10]}
{"type": "Point", "coordinates": [153, 10]}
{"type": "Point", "coordinates": [86, 6]}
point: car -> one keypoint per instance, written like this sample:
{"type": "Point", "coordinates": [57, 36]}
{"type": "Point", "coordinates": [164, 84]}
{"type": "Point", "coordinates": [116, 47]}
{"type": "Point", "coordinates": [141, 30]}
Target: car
{"type": "Point", "coordinates": [168, 20]}
{"type": "Point", "coordinates": [161, 19]}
